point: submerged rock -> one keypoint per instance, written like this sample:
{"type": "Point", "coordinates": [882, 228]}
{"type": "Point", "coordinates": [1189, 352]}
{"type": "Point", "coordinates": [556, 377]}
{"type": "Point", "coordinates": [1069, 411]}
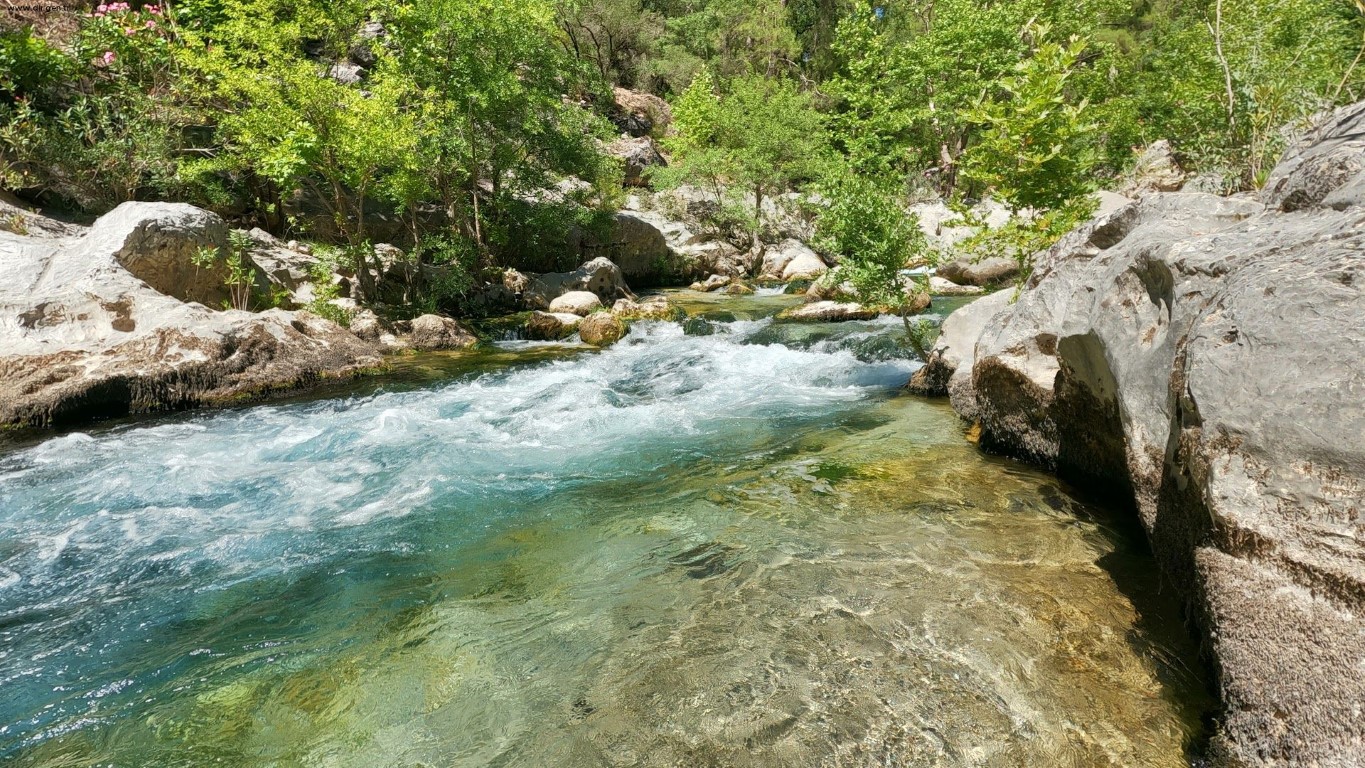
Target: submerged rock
{"type": "Point", "coordinates": [698, 326]}
{"type": "Point", "coordinates": [602, 329]}
{"type": "Point", "coordinates": [1204, 358]}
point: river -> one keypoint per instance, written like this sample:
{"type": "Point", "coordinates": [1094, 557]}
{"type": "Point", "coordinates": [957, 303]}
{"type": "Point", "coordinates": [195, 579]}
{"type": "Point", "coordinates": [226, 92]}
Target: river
{"type": "Point", "coordinates": [735, 549]}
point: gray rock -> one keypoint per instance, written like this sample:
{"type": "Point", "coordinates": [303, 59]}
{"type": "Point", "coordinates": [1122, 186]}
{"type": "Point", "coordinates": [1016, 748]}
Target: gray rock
{"type": "Point", "coordinates": [647, 308]}
{"type": "Point", "coordinates": [1330, 156]}
{"type": "Point", "coordinates": [638, 156]}
{"type": "Point", "coordinates": [804, 264]}
{"type": "Point", "coordinates": [776, 259]}
{"type": "Point", "coordinates": [638, 247]}
{"type": "Point", "coordinates": [712, 283]}
{"type": "Point", "coordinates": [156, 243]}
{"type": "Point", "coordinates": [551, 326]}
{"type": "Point", "coordinates": [580, 303]}
{"type": "Point", "coordinates": [1155, 170]}
{"type": "Point", "coordinates": [956, 343]}
{"type": "Point", "coordinates": [602, 329]}
{"type": "Point", "coordinates": [638, 114]}
{"type": "Point", "coordinates": [827, 312]}
{"type": "Point", "coordinates": [108, 322]}
{"type": "Point", "coordinates": [1204, 358]}
{"type": "Point", "coordinates": [941, 287]}
{"type": "Point", "coordinates": [599, 276]}
{"type": "Point", "coordinates": [433, 332]}
{"type": "Point", "coordinates": [346, 73]}
{"type": "Point", "coordinates": [986, 272]}
{"type": "Point", "coordinates": [280, 266]}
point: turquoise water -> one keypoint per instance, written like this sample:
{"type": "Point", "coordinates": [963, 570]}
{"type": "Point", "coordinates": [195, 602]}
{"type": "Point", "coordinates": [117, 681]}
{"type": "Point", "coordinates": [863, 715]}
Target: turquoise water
{"type": "Point", "coordinates": [734, 549]}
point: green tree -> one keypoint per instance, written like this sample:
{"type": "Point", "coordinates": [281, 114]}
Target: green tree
{"type": "Point", "coordinates": [758, 135]}
{"type": "Point", "coordinates": [489, 80]}
{"type": "Point", "coordinates": [1035, 148]}
{"type": "Point", "coordinates": [874, 239]}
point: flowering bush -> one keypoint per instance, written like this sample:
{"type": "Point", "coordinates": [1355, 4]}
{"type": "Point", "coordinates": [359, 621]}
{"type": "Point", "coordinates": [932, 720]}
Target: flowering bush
{"type": "Point", "coordinates": [128, 42]}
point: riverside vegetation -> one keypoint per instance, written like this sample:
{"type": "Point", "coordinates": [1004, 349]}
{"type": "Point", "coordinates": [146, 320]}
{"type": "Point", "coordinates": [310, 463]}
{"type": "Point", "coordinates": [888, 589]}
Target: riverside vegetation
{"type": "Point", "coordinates": [458, 120]}
{"type": "Point", "coordinates": [209, 202]}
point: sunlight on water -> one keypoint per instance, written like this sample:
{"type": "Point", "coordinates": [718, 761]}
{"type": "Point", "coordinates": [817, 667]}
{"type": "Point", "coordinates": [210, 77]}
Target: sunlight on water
{"type": "Point", "coordinates": [726, 550]}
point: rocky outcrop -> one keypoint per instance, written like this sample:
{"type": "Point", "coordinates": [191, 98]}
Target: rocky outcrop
{"type": "Point", "coordinates": [599, 276]}
{"type": "Point", "coordinates": [112, 320]}
{"type": "Point", "coordinates": [791, 259]}
{"type": "Point", "coordinates": [1203, 358]}
{"type": "Point", "coordinates": [1156, 169]}
{"type": "Point", "coordinates": [637, 156]}
{"type": "Point", "coordinates": [939, 286]}
{"type": "Point", "coordinates": [639, 114]}
{"type": "Point", "coordinates": [804, 264]}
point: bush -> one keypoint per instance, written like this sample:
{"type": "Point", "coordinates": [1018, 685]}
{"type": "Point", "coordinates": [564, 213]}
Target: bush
{"type": "Point", "coordinates": [873, 237]}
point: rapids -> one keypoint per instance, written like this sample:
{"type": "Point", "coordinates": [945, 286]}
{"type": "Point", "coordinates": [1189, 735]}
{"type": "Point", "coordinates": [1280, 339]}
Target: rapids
{"type": "Point", "coordinates": [740, 548]}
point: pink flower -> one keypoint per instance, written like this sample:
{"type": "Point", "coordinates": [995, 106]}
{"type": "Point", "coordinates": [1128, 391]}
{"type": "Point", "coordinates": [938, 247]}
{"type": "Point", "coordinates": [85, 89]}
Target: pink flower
{"type": "Point", "coordinates": [102, 9]}
{"type": "Point", "coordinates": [155, 10]}
{"type": "Point", "coordinates": [108, 57]}
{"type": "Point", "coordinates": [150, 24]}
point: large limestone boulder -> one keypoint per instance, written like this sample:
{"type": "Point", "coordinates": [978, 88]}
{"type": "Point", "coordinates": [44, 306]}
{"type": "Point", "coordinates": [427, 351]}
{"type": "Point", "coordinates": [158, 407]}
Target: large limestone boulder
{"type": "Point", "coordinates": [1203, 359]}
{"type": "Point", "coordinates": [1330, 157]}
{"type": "Point", "coordinates": [599, 276]}
{"type": "Point", "coordinates": [799, 262]}
{"type": "Point", "coordinates": [776, 259]}
{"type": "Point", "coordinates": [580, 303]}
{"type": "Point", "coordinates": [434, 332]}
{"type": "Point", "coordinates": [157, 243]}
{"type": "Point", "coordinates": [956, 343]}
{"type": "Point", "coordinates": [636, 245]}
{"type": "Point", "coordinates": [281, 266]}
{"type": "Point", "coordinates": [106, 321]}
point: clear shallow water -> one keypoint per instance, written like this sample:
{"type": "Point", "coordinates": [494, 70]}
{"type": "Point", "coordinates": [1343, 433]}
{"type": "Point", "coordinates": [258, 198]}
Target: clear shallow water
{"type": "Point", "coordinates": [737, 549]}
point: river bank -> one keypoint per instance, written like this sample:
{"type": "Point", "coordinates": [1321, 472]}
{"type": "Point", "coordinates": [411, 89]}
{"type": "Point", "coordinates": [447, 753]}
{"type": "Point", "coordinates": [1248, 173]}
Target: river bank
{"type": "Point", "coordinates": [738, 547]}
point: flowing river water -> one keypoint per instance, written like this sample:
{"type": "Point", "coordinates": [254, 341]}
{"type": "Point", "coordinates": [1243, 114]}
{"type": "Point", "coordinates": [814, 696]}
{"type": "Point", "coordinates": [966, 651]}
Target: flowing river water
{"type": "Point", "coordinates": [734, 549]}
